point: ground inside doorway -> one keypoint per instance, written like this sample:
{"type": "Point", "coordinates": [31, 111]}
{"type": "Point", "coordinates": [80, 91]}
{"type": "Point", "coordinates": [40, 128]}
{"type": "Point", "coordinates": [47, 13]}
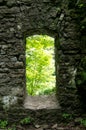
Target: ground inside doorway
{"type": "Point", "coordinates": [41, 102]}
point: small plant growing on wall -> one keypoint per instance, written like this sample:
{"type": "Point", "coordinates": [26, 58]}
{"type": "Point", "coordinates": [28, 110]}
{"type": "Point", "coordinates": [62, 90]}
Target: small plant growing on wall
{"type": "Point", "coordinates": [67, 117]}
{"type": "Point", "coordinates": [3, 124]}
{"type": "Point", "coordinates": [83, 122]}
{"type": "Point", "coordinates": [25, 121]}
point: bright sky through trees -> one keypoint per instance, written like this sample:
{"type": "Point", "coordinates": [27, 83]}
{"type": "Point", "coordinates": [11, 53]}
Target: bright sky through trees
{"type": "Point", "coordinates": [40, 66]}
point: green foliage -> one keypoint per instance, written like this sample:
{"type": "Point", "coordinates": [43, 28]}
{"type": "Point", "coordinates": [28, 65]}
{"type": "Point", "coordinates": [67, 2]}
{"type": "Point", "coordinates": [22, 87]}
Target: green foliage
{"type": "Point", "coordinates": [9, 129]}
{"type": "Point", "coordinates": [13, 128]}
{"type": "Point", "coordinates": [82, 76]}
{"type": "Point", "coordinates": [46, 91]}
{"type": "Point", "coordinates": [79, 81]}
{"type": "Point", "coordinates": [78, 13]}
{"type": "Point", "coordinates": [67, 116]}
{"type": "Point", "coordinates": [81, 7]}
{"type": "Point", "coordinates": [83, 122]}
{"type": "Point", "coordinates": [81, 72]}
{"type": "Point", "coordinates": [39, 64]}
{"type": "Point", "coordinates": [3, 123]}
{"type": "Point", "coordinates": [25, 121]}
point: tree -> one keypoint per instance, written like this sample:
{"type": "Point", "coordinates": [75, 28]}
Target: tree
{"type": "Point", "coordinates": [39, 50]}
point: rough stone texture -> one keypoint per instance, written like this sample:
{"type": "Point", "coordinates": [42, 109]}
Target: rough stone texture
{"type": "Point", "coordinates": [22, 18]}
{"type": "Point", "coordinates": [41, 102]}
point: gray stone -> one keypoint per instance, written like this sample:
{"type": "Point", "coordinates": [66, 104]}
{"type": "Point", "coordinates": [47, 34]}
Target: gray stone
{"type": "Point", "coordinates": [3, 52]}
{"type": "Point", "coordinates": [10, 3]}
{"type": "Point", "coordinates": [14, 59]}
{"type": "Point", "coordinates": [61, 17]}
{"type": "Point", "coordinates": [22, 18]}
{"type": "Point", "coordinates": [1, 1]}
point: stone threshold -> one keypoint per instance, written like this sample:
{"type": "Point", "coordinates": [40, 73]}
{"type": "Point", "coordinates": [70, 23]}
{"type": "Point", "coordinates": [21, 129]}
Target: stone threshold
{"type": "Point", "coordinates": [41, 102]}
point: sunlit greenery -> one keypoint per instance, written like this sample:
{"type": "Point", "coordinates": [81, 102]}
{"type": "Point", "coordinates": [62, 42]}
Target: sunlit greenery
{"type": "Point", "coordinates": [40, 70]}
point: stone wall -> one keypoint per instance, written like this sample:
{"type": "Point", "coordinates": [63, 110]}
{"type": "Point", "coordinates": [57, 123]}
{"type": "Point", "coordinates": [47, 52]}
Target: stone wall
{"type": "Point", "coordinates": [22, 18]}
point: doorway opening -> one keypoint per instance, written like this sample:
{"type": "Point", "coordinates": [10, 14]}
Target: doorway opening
{"type": "Point", "coordinates": [40, 65]}
{"type": "Point", "coordinates": [40, 72]}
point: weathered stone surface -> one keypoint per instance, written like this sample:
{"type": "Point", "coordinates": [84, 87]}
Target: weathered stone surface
{"type": "Point", "coordinates": [22, 18]}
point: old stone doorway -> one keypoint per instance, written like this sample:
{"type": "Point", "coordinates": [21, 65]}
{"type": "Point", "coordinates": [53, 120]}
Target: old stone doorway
{"type": "Point", "coordinates": [40, 72]}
